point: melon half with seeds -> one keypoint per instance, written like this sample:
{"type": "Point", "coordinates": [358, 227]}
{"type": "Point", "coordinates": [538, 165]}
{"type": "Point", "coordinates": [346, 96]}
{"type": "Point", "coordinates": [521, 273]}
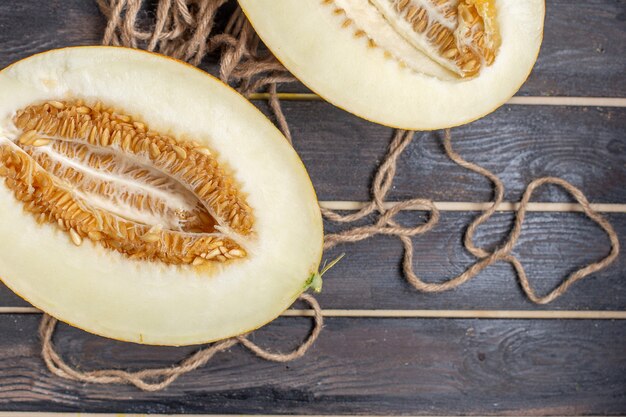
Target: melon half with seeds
{"type": "Point", "coordinates": [142, 199]}
{"type": "Point", "coordinates": [411, 64]}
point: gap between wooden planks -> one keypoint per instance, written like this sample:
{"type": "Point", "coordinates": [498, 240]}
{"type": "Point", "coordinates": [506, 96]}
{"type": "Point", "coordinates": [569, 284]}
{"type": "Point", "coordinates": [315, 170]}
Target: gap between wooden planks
{"type": "Point", "coordinates": [505, 206]}
{"type": "Point", "coordinates": [469, 206]}
{"type": "Point", "coordinates": [517, 100]}
{"type": "Point", "coordinates": [460, 314]}
{"type": "Point", "coordinates": [444, 314]}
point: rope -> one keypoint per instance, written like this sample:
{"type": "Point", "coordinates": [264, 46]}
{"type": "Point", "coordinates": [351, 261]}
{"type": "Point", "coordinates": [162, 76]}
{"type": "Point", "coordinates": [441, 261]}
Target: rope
{"type": "Point", "coordinates": [184, 29]}
{"type": "Point", "coordinates": [157, 379]}
{"type": "Point", "coordinates": [386, 225]}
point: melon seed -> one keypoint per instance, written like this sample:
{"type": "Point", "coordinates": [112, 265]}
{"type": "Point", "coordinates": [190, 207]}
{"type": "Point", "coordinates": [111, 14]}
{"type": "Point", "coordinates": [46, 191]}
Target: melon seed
{"type": "Point", "coordinates": [98, 174]}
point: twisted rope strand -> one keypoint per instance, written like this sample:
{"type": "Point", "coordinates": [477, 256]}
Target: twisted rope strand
{"type": "Point", "coordinates": [385, 225]}
{"type": "Point", "coordinates": [184, 30]}
{"type": "Point", "coordinates": [163, 16]}
{"type": "Point", "coordinates": [185, 34]}
{"type": "Point", "coordinates": [159, 378]}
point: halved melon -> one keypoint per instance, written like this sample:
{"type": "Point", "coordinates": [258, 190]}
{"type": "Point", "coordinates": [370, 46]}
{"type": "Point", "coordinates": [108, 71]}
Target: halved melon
{"type": "Point", "coordinates": [411, 64]}
{"type": "Point", "coordinates": [143, 200]}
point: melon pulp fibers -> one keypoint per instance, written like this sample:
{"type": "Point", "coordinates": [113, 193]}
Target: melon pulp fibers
{"type": "Point", "coordinates": [144, 200]}
{"type": "Point", "coordinates": [410, 64]}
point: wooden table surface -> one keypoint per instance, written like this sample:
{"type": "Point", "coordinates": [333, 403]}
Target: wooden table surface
{"type": "Point", "coordinates": [362, 364]}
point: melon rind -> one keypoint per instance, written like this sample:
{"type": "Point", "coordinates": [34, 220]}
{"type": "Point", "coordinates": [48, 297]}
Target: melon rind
{"type": "Point", "coordinates": [308, 38]}
{"type": "Point", "coordinates": [104, 292]}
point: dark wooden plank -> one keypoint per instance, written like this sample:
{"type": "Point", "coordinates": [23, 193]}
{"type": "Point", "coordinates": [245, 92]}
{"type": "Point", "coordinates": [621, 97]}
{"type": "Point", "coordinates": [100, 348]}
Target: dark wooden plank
{"type": "Point", "coordinates": [401, 366]}
{"type": "Point", "coordinates": [583, 40]}
{"type": "Point", "coordinates": [361, 366]}
{"type": "Point", "coordinates": [10, 299]}
{"type": "Point", "coordinates": [584, 50]}
{"type": "Point", "coordinates": [585, 145]}
{"type": "Point", "coordinates": [28, 27]}
{"type": "Point", "coordinates": [551, 246]}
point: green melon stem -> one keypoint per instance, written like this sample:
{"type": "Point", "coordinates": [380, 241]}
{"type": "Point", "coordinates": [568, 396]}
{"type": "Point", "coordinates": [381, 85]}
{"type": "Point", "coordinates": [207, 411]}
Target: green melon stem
{"type": "Point", "coordinates": [315, 280]}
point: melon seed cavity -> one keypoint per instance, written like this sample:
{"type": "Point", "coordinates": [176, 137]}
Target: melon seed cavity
{"type": "Point", "coordinates": [461, 36]}
{"type": "Point", "coordinates": [100, 175]}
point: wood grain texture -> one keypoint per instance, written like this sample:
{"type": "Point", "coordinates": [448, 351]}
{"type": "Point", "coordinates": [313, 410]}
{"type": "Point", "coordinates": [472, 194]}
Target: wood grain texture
{"type": "Point", "coordinates": [28, 27]}
{"type": "Point", "coordinates": [583, 54]}
{"type": "Point", "coordinates": [583, 39]}
{"type": "Point", "coordinates": [586, 146]}
{"type": "Point", "coordinates": [400, 366]}
{"type": "Point", "coordinates": [551, 246]}
{"type": "Point", "coordinates": [361, 366]}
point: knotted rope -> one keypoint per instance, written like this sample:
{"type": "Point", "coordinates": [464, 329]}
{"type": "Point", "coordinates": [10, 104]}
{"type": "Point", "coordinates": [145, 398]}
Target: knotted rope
{"type": "Point", "coordinates": [184, 29]}
{"type": "Point", "coordinates": [386, 225]}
